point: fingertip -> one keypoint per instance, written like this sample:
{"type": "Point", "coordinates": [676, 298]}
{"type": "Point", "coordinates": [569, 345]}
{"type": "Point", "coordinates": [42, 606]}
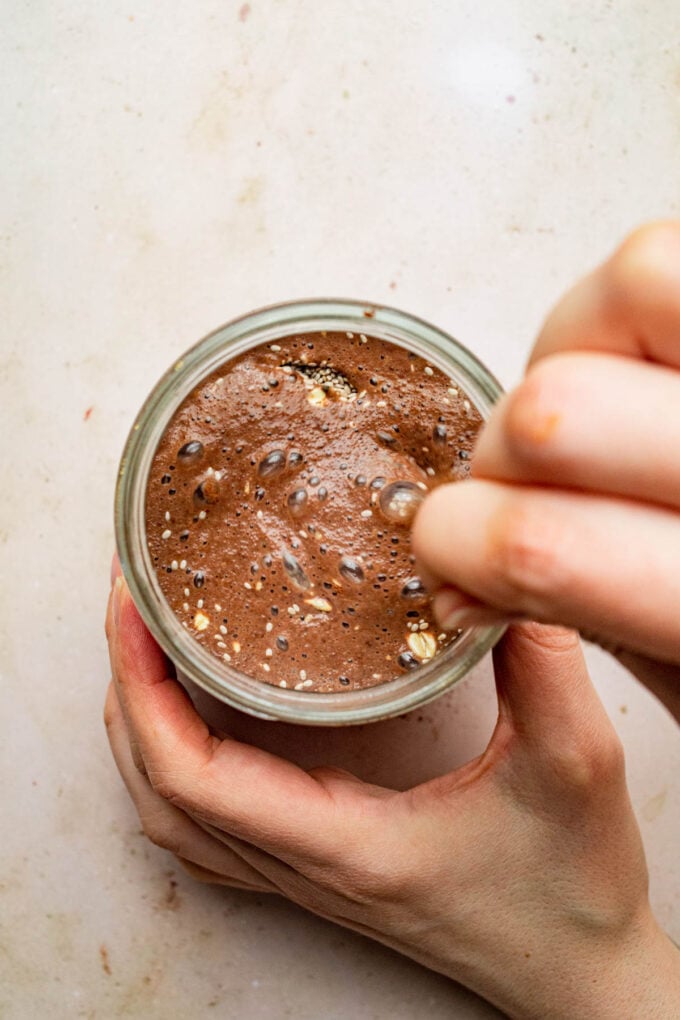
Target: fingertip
{"type": "Point", "coordinates": [116, 569]}
{"type": "Point", "coordinates": [429, 529]}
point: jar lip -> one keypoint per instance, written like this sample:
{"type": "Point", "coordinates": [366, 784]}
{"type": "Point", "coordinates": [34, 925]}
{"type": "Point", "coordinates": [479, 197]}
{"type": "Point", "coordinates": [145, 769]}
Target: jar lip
{"type": "Point", "coordinates": [223, 681]}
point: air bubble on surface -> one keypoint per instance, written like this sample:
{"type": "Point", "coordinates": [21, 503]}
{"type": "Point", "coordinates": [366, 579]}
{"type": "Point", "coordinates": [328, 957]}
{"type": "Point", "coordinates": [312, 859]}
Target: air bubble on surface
{"type": "Point", "coordinates": [399, 501]}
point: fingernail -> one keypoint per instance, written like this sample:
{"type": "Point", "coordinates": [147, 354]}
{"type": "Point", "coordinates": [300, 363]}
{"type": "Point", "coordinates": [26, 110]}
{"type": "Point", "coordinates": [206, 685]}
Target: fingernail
{"type": "Point", "coordinates": [115, 568]}
{"type": "Point", "coordinates": [463, 619]}
{"type": "Point", "coordinates": [454, 611]}
{"type": "Point", "coordinates": [117, 598]}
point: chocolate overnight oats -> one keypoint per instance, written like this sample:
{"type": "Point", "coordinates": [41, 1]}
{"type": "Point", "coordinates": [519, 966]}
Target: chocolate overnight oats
{"type": "Point", "coordinates": [279, 503]}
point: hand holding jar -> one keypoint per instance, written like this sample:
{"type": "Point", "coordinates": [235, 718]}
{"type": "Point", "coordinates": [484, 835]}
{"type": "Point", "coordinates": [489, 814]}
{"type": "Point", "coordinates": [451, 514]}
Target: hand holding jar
{"type": "Point", "coordinates": [521, 874]}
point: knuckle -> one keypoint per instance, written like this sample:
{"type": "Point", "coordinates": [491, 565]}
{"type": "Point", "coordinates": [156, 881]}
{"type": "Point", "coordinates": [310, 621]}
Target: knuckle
{"type": "Point", "coordinates": [534, 411]}
{"type": "Point", "coordinates": [589, 765]}
{"type": "Point", "coordinates": [168, 785]}
{"type": "Point", "coordinates": [648, 258]}
{"type": "Point", "coordinates": [373, 887]}
{"type": "Point", "coordinates": [528, 551]}
{"type": "Point", "coordinates": [158, 828]}
{"type": "Point", "coordinates": [379, 879]}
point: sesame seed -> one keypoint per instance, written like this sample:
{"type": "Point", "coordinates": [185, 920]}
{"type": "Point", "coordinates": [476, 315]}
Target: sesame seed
{"type": "Point", "coordinates": [363, 338]}
{"type": "Point", "coordinates": [307, 683]}
{"type": "Point", "coordinates": [268, 652]}
{"type": "Point", "coordinates": [266, 667]}
{"type": "Point", "coordinates": [303, 674]}
{"type": "Point", "coordinates": [236, 646]}
{"type": "Point", "coordinates": [166, 534]}
{"type": "Point", "coordinates": [247, 585]}
{"type": "Point", "coordinates": [452, 391]}
{"type": "Point", "coordinates": [185, 607]}
{"type": "Point", "coordinates": [269, 626]}
{"type": "Point", "coordinates": [298, 687]}
{"type": "Point", "coordinates": [202, 515]}
{"type": "Point", "coordinates": [428, 371]}
{"type": "Point", "coordinates": [350, 336]}
{"type": "Point", "coordinates": [218, 607]}
{"type": "Point", "coordinates": [366, 514]}
{"type": "Point", "coordinates": [226, 656]}
{"type": "Point", "coordinates": [223, 629]}
{"type": "Point", "coordinates": [275, 348]}
{"type": "Point", "coordinates": [167, 515]}
{"type": "Point", "coordinates": [182, 564]}
{"type": "Point", "coordinates": [282, 683]}
{"type": "Point", "coordinates": [199, 604]}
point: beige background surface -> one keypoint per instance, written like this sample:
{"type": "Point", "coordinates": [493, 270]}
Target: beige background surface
{"type": "Point", "coordinates": [164, 168]}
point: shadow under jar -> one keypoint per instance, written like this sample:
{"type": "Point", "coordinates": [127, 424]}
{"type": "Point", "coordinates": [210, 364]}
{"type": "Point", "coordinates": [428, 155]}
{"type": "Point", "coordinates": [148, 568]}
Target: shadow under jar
{"type": "Point", "coordinates": [263, 509]}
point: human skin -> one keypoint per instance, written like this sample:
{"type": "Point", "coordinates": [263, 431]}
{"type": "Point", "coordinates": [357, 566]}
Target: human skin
{"type": "Point", "coordinates": [520, 874]}
{"type": "Point", "coordinates": [573, 515]}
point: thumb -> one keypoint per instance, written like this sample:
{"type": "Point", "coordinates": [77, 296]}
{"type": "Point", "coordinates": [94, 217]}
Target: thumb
{"type": "Point", "coordinates": [544, 691]}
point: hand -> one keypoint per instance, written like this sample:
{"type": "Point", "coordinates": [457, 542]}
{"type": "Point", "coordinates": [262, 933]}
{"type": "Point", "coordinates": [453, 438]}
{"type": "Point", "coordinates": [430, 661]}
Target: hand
{"type": "Point", "coordinates": [521, 874]}
{"type": "Point", "coordinates": [573, 515]}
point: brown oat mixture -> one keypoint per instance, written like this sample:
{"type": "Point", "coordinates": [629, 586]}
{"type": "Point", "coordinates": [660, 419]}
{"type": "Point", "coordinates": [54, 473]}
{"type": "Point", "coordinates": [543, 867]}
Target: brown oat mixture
{"type": "Point", "coordinates": [279, 502]}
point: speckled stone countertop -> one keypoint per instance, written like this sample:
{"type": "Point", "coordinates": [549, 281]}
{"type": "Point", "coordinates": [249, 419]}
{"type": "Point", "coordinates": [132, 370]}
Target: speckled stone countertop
{"type": "Point", "coordinates": [165, 168]}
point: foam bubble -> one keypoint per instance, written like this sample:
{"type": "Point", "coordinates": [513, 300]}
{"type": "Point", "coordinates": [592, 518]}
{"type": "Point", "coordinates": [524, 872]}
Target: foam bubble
{"type": "Point", "coordinates": [351, 570]}
{"type": "Point", "coordinates": [297, 502]}
{"type": "Point", "coordinates": [272, 464]}
{"type": "Point", "coordinates": [399, 501]}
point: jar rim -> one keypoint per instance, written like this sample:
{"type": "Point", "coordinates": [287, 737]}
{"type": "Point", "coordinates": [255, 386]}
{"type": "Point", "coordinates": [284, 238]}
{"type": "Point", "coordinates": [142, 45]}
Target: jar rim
{"type": "Point", "coordinates": [223, 681]}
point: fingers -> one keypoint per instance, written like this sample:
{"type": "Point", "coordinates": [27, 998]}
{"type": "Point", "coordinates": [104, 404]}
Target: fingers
{"type": "Point", "coordinates": [546, 699]}
{"type": "Point", "coordinates": [607, 565]}
{"type": "Point", "coordinates": [167, 826]}
{"type": "Point", "coordinates": [589, 421]}
{"type": "Point", "coordinates": [235, 787]}
{"type": "Point", "coordinates": [629, 306]}
{"type": "Point", "coordinates": [542, 680]}
{"type": "Point", "coordinates": [213, 878]}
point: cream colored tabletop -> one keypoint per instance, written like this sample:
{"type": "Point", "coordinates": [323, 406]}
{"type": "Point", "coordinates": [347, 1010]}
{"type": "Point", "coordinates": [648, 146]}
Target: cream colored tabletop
{"type": "Point", "coordinates": [165, 167]}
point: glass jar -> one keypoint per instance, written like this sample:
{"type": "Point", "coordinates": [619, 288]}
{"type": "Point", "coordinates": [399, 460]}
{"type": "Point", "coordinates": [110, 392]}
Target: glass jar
{"type": "Point", "coordinates": [212, 684]}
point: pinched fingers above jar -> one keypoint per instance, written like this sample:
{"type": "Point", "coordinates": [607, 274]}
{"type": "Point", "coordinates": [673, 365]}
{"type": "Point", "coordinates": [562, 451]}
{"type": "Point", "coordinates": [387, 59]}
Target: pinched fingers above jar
{"type": "Point", "coordinates": [592, 422]}
{"type": "Point", "coordinates": [607, 565]}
